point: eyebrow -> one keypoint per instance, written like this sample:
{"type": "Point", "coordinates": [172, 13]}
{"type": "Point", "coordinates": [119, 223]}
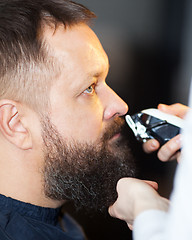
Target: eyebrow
{"type": "Point", "coordinates": [98, 73]}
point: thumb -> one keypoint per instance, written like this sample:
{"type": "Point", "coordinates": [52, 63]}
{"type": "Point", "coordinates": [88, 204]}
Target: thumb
{"type": "Point", "coordinates": [153, 184]}
{"type": "Point", "coordinates": [111, 211]}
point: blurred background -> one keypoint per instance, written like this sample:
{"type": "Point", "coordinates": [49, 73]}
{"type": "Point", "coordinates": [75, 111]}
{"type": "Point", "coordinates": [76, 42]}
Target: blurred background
{"type": "Point", "coordinates": [149, 47]}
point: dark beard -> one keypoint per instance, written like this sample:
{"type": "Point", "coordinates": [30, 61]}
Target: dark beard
{"type": "Point", "coordinates": [84, 173]}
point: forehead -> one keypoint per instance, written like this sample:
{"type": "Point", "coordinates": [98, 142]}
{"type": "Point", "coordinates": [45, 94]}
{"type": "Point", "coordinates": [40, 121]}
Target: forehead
{"type": "Point", "coordinates": [77, 46]}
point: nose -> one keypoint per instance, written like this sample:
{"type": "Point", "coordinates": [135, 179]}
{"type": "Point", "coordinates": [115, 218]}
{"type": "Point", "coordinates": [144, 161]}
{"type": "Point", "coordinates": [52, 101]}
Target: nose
{"type": "Point", "coordinates": [114, 105]}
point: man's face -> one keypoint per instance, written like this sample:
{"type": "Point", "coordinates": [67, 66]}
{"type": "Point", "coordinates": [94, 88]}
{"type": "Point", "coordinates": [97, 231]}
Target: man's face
{"type": "Point", "coordinates": [85, 154]}
{"type": "Point", "coordinates": [82, 105]}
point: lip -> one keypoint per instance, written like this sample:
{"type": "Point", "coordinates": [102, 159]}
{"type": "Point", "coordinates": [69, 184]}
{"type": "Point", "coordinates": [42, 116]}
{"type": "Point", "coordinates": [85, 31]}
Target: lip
{"type": "Point", "coordinates": [114, 139]}
{"type": "Point", "coordinates": [117, 135]}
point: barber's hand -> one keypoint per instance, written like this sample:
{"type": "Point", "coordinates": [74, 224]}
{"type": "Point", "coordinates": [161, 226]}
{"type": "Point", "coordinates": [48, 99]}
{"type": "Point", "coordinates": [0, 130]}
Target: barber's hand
{"type": "Point", "coordinates": [169, 150]}
{"type": "Point", "coordinates": [134, 197]}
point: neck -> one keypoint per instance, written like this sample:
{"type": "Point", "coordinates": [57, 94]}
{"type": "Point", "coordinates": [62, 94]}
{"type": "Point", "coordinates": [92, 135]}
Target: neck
{"type": "Point", "coordinates": [22, 180]}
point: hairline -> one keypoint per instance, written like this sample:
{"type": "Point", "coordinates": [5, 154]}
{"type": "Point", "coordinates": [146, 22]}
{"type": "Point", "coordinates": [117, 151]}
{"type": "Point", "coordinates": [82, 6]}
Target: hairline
{"type": "Point", "coordinates": [37, 69]}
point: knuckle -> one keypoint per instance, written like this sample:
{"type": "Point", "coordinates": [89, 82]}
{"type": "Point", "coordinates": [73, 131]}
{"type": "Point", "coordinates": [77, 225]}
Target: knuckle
{"type": "Point", "coordinates": [170, 147]}
{"type": "Point", "coordinates": [161, 155]}
{"type": "Point", "coordinates": [167, 151]}
{"type": "Point", "coordinates": [177, 104]}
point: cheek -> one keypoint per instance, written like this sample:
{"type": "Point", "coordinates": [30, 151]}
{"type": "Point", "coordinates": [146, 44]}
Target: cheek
{"type": "Point", "coordinates": [90, 128]}
{"type": "Point", "coordinates": [82, 124]}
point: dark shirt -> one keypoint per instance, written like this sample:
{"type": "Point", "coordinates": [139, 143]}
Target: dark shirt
{"type": "Point", "coordinates": [24, 221]}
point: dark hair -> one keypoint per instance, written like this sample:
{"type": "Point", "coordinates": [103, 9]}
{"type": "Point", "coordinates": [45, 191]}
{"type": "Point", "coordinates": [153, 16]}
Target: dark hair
{"type": "Point", "coordinates": [22, 51]}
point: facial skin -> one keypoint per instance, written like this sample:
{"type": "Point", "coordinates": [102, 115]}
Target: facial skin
{"type": "Point", "coordinates": [85, 154]}
{"type": "Point", "coordinates": [82, 105]}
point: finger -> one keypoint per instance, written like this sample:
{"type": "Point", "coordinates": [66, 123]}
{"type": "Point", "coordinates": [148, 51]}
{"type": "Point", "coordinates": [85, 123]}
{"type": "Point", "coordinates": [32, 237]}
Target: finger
{"type": "Point", "coordinates": [111, 211]}
{"type": "Point", "coordinates": [130, 226]}
{"type": "Point", "coordinates": [115, 212]}
{"type": "Point", "coordinates": [153, 184]}
{"type": "Point", "coordinates": [151, 146]}
{"type": "Point", "coordinates": [179, 158]}
{"type": "Point", "coordinates": [168, 150]}
{"type": "Point", "coordinates": [176, 156]}
{"type": "Point", "coordinates": [176, 109]}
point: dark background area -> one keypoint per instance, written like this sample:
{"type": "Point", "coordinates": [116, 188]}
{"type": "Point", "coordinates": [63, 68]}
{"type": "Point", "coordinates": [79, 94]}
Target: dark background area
{"type": "Point", "coordinates": [149, 47]}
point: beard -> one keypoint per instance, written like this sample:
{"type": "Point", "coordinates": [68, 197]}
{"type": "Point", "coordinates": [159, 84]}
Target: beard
{"type": "Point", "coordinates": [84, 173]}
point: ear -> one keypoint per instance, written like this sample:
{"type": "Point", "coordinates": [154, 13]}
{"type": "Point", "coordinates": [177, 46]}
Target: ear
{"type": "Point", "coordinates": [12, 127]}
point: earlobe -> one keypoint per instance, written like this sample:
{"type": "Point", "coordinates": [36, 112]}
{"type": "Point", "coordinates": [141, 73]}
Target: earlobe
{"type": "Point", "coordinates": [11, 125]}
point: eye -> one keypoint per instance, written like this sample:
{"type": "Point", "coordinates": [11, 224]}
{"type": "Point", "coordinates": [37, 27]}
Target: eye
{"type": "Point", "coordinates": [90, 89]}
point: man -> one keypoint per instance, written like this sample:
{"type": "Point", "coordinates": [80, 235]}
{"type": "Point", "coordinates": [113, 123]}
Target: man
{"type": "Point", "coordinates": [60, 123]}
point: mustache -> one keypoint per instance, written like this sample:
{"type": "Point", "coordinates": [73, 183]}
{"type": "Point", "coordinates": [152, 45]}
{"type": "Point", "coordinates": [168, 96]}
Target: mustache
{"type": "Point", "coordinates": [113, 128]}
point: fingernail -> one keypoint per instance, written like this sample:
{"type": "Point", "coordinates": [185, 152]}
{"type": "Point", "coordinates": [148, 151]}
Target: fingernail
{"type": "Point", "coordinates": [154, 145]}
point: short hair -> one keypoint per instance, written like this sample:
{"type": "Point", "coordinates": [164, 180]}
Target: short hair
{"type": "Point", "coordinates": [25, 65]}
